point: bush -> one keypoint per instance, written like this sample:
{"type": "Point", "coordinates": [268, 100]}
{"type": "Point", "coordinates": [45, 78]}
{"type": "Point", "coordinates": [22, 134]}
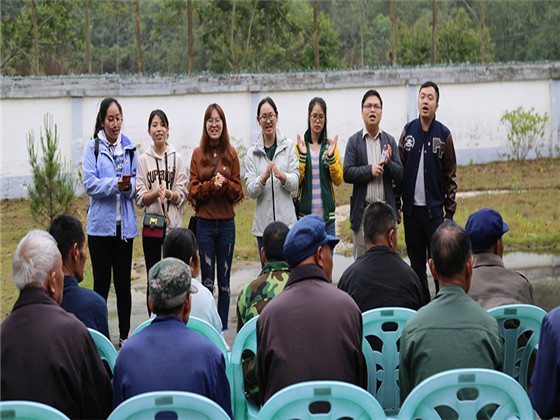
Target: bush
{"type": "Point", "coordinates": [525, 130]}
{"type": "Point", "coordinates": [53, 184]}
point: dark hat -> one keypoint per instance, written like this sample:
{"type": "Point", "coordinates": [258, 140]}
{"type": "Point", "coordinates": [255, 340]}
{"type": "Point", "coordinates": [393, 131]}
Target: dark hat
{"type": "Point", "coordinates": [305, 237]}
{"type": "Point", "coordinates": [484, 228]}
{"type": "Point", "coordinates": [169, 283]}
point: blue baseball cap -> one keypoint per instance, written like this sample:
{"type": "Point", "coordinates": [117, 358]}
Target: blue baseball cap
{"type": "Point", "coordinates": [305, 237]}
{"type": "Point", "coordinates": [484, 228]}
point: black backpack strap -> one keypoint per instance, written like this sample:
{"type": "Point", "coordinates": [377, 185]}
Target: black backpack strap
{"type": "Point", "coordinates": [96, 148]}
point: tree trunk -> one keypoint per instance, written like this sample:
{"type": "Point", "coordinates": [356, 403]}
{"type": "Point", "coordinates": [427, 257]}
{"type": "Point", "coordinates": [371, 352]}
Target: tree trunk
{"type": "Point", "coordinates": [35, 38]}
{"type": "Point", "coordinates": [434, 31]}
{"type": "Point", "coordinates": [231, 38]}
{"type": "Point", "coordinates": [139, 39]}
{"type": "Point", "coordinates": [393, 33]}
{"type": "Point", "coordinates": [482, 31]}
{"type": "Point", "coordinates": [88, 37]}
{"type": "Point", "coordinates": [315, 35]}
{"type": "Point", "coordinates": [190, 35]}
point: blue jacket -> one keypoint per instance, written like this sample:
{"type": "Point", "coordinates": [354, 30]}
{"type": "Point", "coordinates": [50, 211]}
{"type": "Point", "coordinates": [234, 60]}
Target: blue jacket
{"type": "Point", "coordinates": [545, 382]}
{"type": "Point", "coordinates": [357, 171]}
{"type": "Point", "coordinates": [101, 184]}
{"type": "Point", "coordinates": [86, 305]}
{"type": "Point", "coordinates": [439, 167]}
{"type": "Point", "coordinates": [167, 355]}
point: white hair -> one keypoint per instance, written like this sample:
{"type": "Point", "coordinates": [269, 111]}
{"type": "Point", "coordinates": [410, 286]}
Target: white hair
{"type": "Point", "coordinates": [35, 257]}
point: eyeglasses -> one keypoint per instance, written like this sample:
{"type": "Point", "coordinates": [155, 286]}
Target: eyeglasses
{"type": "Point", "coordinates": [112, 121]}
{"type": "Point", "coordinates": [265, 118]}
{"type": "Point", "coordinates": [317, 117]}
{"type": "Point", "coordinates": [211, 122]}
{"type": "Point", "coordinates": [368, 107]}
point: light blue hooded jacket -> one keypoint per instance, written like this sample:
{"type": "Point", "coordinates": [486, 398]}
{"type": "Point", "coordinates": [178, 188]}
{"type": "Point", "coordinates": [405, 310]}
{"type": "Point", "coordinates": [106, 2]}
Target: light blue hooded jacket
{"type": "Point", "coordinates": [101, 184]}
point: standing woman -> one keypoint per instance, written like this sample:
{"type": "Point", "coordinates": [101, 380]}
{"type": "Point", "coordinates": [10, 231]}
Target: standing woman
{"type": "Point", "coordinates": [319, 166]}
{"type": "Point", "coordinates": [272, 173]}
{"type": "Point", "coordinates": [161, 186]}
{"type": "Point", "coordinates": [109, 169]}
{"type": "Point", "coordinates": [215, 186]}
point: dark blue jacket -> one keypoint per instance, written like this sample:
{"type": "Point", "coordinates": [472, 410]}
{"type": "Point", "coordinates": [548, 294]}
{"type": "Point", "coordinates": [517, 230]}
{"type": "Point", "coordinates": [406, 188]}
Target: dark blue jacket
{"type": "Point", "coordinates": [168, 356]}
{"type": "Point", "coordinates": [357, 171]}
{"type": "Point", "coordinates": [439, 167]}
{"type": "Point", "coordinates": [88, 306]}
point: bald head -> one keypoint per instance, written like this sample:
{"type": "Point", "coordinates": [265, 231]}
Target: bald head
{"type": "Point", "coordinates": [451, 249]}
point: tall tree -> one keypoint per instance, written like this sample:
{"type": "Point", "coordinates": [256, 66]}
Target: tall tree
{"type": "Point", "coordinates": [88, 37]}
{"type": "Point", "coordinates": [315, 35]}
{"type": "Point", "coordinates": [35, 37]}
{"type": "Point", "coordinates": [434, 31]}
{"type": "Point", "coordinates": [482, 31]}
{"type": "Point", "coordinates": [190, 35]}
{"type": "Point", "coordinates": [139, 39]}
{"type": "Point", "coordinates": [393, 34]}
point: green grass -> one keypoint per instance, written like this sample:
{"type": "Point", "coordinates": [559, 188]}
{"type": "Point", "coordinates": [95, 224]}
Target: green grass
{"type": "Point", "coordinates": [530, 207]}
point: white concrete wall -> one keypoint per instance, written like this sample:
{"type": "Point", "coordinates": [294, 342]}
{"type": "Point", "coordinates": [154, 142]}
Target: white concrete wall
{"type": "Point", "coordinates": [472, 102]}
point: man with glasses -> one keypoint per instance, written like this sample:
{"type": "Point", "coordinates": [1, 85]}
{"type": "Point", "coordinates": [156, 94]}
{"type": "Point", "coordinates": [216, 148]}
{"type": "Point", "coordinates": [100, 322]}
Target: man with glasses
{"type": "Point", "coordinates": [372, 165]}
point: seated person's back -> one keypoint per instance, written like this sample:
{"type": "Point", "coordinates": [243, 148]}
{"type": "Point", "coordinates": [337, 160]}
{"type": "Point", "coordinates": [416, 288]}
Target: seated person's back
{"type": "Point", "coordinates": [167, 355]}
{"type": "Point", "coordinates": [492, 284]}
{"type": "Point", "coordinates": [452, 331]}
{"type": "Point", "coordinates": [88, 306]}
{"type": "Point", "coordinates": [379, 277]}
{"type": "Point", "coordinates": [310, 331]}
{"type": "Point", "coordinates": [47, 355]}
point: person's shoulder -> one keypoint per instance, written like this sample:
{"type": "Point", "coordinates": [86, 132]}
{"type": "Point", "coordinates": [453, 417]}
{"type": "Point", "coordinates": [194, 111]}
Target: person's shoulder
{"type": "Point", "coordinates": [412, 124]}
{"type": "Point", "coordinates": [443, 128]}
{"type": "Point", "coordinates": [357, 135]}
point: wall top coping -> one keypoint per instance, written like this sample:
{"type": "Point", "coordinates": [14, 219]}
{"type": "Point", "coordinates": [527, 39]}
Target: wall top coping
{"type": "Point", "coordinates": [130, 85]}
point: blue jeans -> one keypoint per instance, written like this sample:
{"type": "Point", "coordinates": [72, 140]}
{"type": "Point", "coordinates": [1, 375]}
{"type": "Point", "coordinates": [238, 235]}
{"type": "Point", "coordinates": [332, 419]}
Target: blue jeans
{"type": "Point", "coordinates": [216, 241]}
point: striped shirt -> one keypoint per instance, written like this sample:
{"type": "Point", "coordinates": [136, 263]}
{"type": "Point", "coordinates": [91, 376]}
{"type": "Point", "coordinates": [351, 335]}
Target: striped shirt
{"type": "Point", "coordinates": [316, 200]}
{"type": "Point", "coordinates": [375, 191]}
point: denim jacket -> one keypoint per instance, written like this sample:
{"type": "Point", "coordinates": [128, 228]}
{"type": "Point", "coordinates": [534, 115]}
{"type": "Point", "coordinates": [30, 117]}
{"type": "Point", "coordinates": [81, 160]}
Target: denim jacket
{"type": "Point", "coordinates": [101, 184]}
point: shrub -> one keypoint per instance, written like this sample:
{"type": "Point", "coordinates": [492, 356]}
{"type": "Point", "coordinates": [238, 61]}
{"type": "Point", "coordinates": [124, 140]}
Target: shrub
{"type": "Point", "coordinates": [53, 184]}
{"type": "Point", "coordinates": [525, 130]}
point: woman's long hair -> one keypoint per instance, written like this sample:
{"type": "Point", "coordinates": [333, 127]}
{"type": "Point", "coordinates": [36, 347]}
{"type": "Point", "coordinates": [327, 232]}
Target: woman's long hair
{"type": "Point", "coordinates": [321, 102]}
{"type": "Point", "coordinates": [105, 104]}
{"type": "Point", "coordinates": [224, 148]}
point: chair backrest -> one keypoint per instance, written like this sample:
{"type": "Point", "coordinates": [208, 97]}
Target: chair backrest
{"type": "Point", "coordinates": [246, 339]}
{"type": "Point", "coordinates": [204, 328]}
{"type": "Point", "coordinates": [142, 325]}
{"type": "Point", "coordinates": [185, 405]}
{"type": "Point", "coordinates": [520, 327]}
{"type": "Point", "coordinates": [466, 392]}
{"type": "Point", "coordinates": [106, 349]}
{"type": "Point", "coordinates": [322, 400]}
{"type": "Point", "coordinates": [29, 410]}
{"type": "Point", "coordinates": [383, 363]}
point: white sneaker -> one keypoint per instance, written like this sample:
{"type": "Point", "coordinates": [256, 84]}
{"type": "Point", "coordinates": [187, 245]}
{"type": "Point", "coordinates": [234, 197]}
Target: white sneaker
{"type": "Point", "coordinates": [224, 340]}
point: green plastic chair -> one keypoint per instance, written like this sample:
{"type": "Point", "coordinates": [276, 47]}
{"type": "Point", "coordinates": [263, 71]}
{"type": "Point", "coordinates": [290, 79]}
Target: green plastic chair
{"type": "Point", "coordinates": [185, 405]}
{"type": "Point", "coordinates": [516, 321]}
{"type": "Point", "coordinates": [29, 410]}
{"type": "Point", "coordinates": [323, 400]}
{"type": "Point", "coordinates": [106, 349]}
{"type": "Point", "coordinates": [462, 393]}
{"type": "Point", "coordinates": [142, 326]}
{"type": "Point", "coordinates": [383, 366]}
{"type": "Point", "coordinates": [243, 408]}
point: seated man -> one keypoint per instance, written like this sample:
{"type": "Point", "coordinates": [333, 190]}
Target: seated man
{"type": "Point", "coordinates": [452, 331]}
{"type": "Point", "coordinates": [88, 306]}
{"type": "Point", "coordinates": [255, 295]}
{"type": "Point", "coordinates": [545, 382]}
{"type": "Point", "coordinates": [46, 354]}
{"type": "Point", "coordinates": [312, 330]}
{"type": "Point", "coordinates": [380, 278]}
{"type": "Point", "coordinates": [181, 243]}
{"type": "Point", "coordinates": [492, 284]}
{"type": "Point", "coordinates": [167, 355]}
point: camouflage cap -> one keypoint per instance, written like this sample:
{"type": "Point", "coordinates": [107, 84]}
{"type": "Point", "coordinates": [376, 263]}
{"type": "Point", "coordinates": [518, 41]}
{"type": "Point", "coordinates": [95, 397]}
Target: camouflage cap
{"type": "Point", "coordinates": [169, 283]}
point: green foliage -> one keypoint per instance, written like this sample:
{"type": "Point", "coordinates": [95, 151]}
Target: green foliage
{"type": "Point", "coordinates": [414, 44]}
{"type": "Point", "coordinates": [53, 184]}
{"type": "Point", "coordinates": [458, 42]}
{"type": "Point", "coordinates": [525, 132]}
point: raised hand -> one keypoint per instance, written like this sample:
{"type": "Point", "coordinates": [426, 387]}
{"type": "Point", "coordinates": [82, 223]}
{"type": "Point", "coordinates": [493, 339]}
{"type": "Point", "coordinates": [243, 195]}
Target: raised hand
{"type": "Point", "coordinates": [332, 146]}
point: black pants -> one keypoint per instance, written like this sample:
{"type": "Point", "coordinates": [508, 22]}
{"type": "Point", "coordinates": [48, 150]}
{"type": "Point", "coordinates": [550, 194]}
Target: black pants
{"type": "Point", "coordinates": [111, 253]}
{"type": "Point", "coordinates": [152, 255]}
{"type": "Point", "coordinates": [418, 232]}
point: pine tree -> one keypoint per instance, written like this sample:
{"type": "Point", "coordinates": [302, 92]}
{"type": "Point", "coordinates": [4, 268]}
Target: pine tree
{"type": "Point", "coordinates": [53, 184]}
